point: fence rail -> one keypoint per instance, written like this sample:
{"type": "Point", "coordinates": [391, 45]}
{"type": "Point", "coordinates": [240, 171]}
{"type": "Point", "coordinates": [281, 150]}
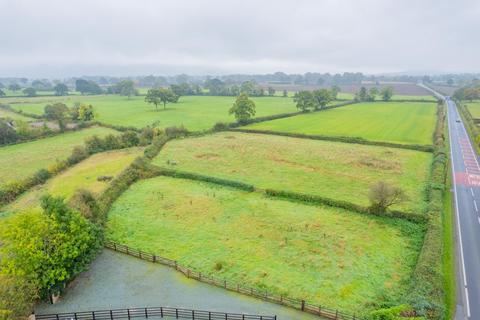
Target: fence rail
{"type": "Point", "coordinates": [157, 312]}
{"type": "Point", "coordinates": [301, 305]}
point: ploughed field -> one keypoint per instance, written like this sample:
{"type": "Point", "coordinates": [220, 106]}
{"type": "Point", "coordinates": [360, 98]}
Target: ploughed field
{"type": "Point", "coordinates": [339, 171]}
{"type": "Point", "coordinates": [21, 160]}
{"type": "Point", "coordinates": [396, 122]}
{"type": "Point", "coordinates": [83, 175]}
{"type": "Point", "coordinates": [193, 112]}
{"type": "Point", "coordinates": [325, 255]}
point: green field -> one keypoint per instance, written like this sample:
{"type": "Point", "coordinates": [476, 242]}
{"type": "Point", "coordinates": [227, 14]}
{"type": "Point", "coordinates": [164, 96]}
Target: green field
{"type": "Point", "coordinates": [474, 108]}
{"type": "Point", "coordinates": [194, 112]}
{"type": "Point", "coordinates": [83, 175]}
{"type": "Point", "coordinates": [413, 97]}
{"type": "Point", "coordinates": [397, 122]}
{"type": "Point", "coordinates": [21, 160]}
{"type": "Point", "coordinates": [14, 116]}
{"type": "Point", "coordinates": [325, 255]}
{"type": "Point", "coordinates": [335, 170]}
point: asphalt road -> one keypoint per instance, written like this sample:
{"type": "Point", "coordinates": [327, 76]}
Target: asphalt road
{"type": "Point", "coordinates": [466, 180]}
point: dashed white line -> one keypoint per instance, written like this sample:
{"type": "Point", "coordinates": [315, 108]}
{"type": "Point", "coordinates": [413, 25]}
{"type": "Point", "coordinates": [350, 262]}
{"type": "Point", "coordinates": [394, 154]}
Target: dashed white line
{"type": "Point", "coordinates": [471, 191]}
{"type": "Point", "coordinates": [475, 204]}
{"type": "Point", "coordinates": [478, 220]}
{"type": "Point", "coordinates": [467, 302]}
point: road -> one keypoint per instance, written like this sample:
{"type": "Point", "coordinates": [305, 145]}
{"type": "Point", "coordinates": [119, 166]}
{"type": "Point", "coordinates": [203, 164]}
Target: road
{"type": "Point", "coordinates": [466, 188]}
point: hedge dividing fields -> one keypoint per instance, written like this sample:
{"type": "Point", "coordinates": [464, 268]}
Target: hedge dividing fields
{"type": "Point", "coordinates": [334, 170]}
{"type": "Point", "coordinates": [396, 122]}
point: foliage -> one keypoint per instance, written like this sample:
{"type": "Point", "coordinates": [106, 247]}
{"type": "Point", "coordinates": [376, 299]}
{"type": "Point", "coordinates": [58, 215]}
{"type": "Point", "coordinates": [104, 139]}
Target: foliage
{"type": "Point", "coordinates": [383, 195]}
{"type": "Point", "coordinates": [124, 88]}
{"type": "Point", "coordinates": [243, 108]}
{"type": "Point", "coordinates": [82, 112]}
{"type": "Point", "coordinates": [7, 132]}
{"type": "Point", "coordinates": [2, 93]}
{"type": "Point", "coordinates": [386, 93]}
{"type": "Point", "coordinates": [60, 89]}
{"type": "Point", "coordinates": [87, 87]}
{"type": "Point", "coordinates": [48, 248]}
{"type": "Point", "coordinates": [17, 296]}
{"type": "Point", "coordinates": [322, 98]}
{"type": "Point", "coordinates": [162, 95]}
{"type": "Point", "coordinates": [14, 87]}
{"type": "Point", "coordinates": [30, 92]}
{"type": "Point", "coordinates": [305, 100]}
{"type": "Point", "coordinates": [395, 313]}
{"type": "Point", "coordinates": [57, 112]}
{"type": "Point", "coordinates": [86, 204]}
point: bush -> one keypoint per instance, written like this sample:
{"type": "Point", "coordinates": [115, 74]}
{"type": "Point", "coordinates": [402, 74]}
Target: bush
{"type": "Point", "coordinates": [79, 153]}
{"type": "Point", "coordinates": [94, 144]}
{"type": "Point", "coordinates": [85, 202]}
{"type": "Point", "coordinates": [221, 126]}
{"type": "Point", "coordinates": [395, 313]}
{"type": "Point", "coordinates": [129, 139]}
{"type": "Point", "coordinates": [112, 142]}
{"type": "Point", "coordinates": [174, 132]}
{"type": "Point", "coordinates": [41, 176]}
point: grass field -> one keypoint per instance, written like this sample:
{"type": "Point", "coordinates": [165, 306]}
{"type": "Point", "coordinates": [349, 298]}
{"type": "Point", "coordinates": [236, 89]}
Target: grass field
{"type": "Point", "coordinates": [14, 116]}
{"type": "Point", "coordinates": [474, 108]}
{"type": "Point", "coordinates": [398, 122]}
{"type": "Point", "coordinates": [413, 97]}
{"type": "Point", "coordinates": [326, 255]}
{"type": "Point", "coordinates": [194, 112]}
{"type": "Point", "coordinates": [83, 175]}
{"type": "Point", "coordinates": [336, 170]}
{"type": "Point", "coordinates": [21, 160]}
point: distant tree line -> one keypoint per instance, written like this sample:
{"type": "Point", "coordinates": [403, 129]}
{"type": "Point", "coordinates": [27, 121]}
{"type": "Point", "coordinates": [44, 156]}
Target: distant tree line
{"type": "Point", "coordinates": [469, 92]}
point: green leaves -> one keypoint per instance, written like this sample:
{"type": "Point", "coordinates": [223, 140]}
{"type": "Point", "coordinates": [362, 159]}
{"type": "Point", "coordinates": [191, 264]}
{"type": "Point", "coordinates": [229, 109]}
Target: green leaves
{"type": "Point", "coordinates": [243, 108]}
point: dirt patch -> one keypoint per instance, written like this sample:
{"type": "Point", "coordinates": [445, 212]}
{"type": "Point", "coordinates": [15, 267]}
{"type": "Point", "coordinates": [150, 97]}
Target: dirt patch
{"type": "Point", "coordinates": [207, 156]}
{"type": "Point", "coordinates": [376, 163]}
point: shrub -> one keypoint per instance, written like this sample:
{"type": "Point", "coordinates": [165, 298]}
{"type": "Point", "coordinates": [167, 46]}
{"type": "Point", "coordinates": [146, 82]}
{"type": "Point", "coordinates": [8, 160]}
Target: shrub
{"type": "Point", "coordinates": [112, 142]}
{"type": "Point", "coordinates": [220, 126]}
{"type": "Point", "coordinates": [395, 313]}
{"type": "Point", "coordinates": [94, 144]}
{"type": "Point", "coordinates": [176, 131]}
{"type": "Point", "coordinates": [382, 196]}
{"type": "Point", "coordinates": [85, 202]}
{"type": "Point", "coordinates": [129, 139]}
{"type": "Point", "coordinates": [41, 176]}
{"type": "Point", "coordinates": [79, 153]}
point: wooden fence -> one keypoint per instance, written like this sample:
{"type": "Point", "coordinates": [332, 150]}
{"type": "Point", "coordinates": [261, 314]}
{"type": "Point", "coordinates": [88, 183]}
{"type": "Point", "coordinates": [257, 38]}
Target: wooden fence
{"type": "Point", "coordinates": [158, 312]}
{"type": "Point", "coordinates": [301, 305]}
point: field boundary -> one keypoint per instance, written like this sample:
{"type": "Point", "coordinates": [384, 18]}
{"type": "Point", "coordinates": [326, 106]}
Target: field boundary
{"type": "Point", "coordinates": [298, 304]}
{"type": "Point", "coordinates": [343, 139]}
{"type": "Point", "coordinates": [472, 128]}
{"type": "Point", "coordinates": [286, 195]}
{"type": "Point", "coordinates": [178, 313]}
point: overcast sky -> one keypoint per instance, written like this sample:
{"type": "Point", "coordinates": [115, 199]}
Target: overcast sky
{"type": "Point", "coordinates": [60, 38]}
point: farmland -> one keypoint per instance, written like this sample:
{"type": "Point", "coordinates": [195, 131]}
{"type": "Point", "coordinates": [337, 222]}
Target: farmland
{"type": "Point", "coordinates": [24, 159]}
{"type": "Point", "coordinates": [82, 176]}
{"type": "Point", "coordinates": [396, 122]}
{"type": "Point", "coordinates": [326, 255]}
{"type": "Point", "coordinates": [335, 170]}
{"type": "Point", "coordinates": [193, 112]}
{"type": "Point", "coordinates": [474, 108]}
{"type": "Point", "coordinates": [14, 116]}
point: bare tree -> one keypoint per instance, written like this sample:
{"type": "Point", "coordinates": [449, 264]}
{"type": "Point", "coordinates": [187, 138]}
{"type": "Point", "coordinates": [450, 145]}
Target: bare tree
{"type": "Point", "coordinates": [383, 195]}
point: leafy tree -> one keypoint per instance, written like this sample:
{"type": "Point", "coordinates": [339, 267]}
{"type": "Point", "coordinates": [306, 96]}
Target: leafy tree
{"type": "Point", "coordinates": [214, 86]}
{"type": "Point", "coordinates": [243, 108]}
{"type": "Point", "coordinates": [48, 247]}
{"type": "Point", "coordinates": [322, 98]}
{"type": "Point", "coordinates": [247, 87]}
{"type": "Point", "coordinates": [7, 132]}
{"type": "Point", "coordinates": [2, 93]}
{"type": "Point", "coordinates": [14, 87]}
{"type": "Point", "coordinates": [89, 87]}
{"type": "Point", "coordinates": [305, 100]}
{"type": "Point", "coordinates": [125, 88]}
{"type": "Point", "coordinates": [382, 195]}
{"type": "Point", "coordinates": [86, 112]}
{"type": "Point", "coordinates": [162, 95]}
{"type": "Point", "coordinates": [386, 93]}
{"type": "Point", "coordinates": [362, 95]}
{"type": "Point", "coordinates": [372, 93]}
{"type": "Point", "coordinates": [17, 296]}
{"type": "Point", "coordinates": [57, 112]}
{"type": "Point", "coordinates": [271, 91]}
{"type": "Point", "coordinates": [60, 89]}
{"type": "Point", "coordinates": [2, 86]}
{"type": "Point", "coordinates": [334, 92]}
{"type": "Point", "coordinates": [30, 92]}
{"type": "Point", "coordinates": [285, 93]}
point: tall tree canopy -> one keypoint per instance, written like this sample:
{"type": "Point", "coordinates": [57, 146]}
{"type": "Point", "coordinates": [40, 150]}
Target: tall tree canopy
{"type": "Point", "coordinates": [161, 95]}
{"type": "Point", "coordinates": [243, 108]}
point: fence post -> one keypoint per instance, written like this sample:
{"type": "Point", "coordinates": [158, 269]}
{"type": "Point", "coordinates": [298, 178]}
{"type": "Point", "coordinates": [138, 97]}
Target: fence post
{"type": "Point", "coordinates": [188, 273]}
{"type": "Point", "coordinates": [128, 314]}
{"type": "Point", "coordinates": [154, 258]}
{"type": "Point", "coordinates": [176, 313]}
{"type": "Point", "coordinates": [161, 312]}
{"type": "Point", "coordinates": [127, 250]}
{"type": "Point", "coordinates": [111, 315]}
{"type": "Point", "coordinates": [303, 305]}
{"type": "Point", "coordinates": [193, 314]}
{"type": "Point", "coordinates": [336, 314]}
{"type": "Point", "coordinates": [209, 315]}
{"type": "Point", "coordinates": [238, 287]}
{"type": "Point", "coordinates": [320, 310]}
{"type": "Point", "coordinates": [140, 254]}
{"type": "Point", "coordinates": [354, 316]}
{"type": "Point", "coordinates": [225, 283]}
{"type": "Point", "coordinates": [93, 315]}
{"type": "Point", "coordinates": [57, 316]}
{"type": "Point", "coordinates": [75, 314]}
{"type": "Point", "coordinates": [115, 246]}
{"type": "Point", "coordinates": [146, 313]}
{"type": "Point", "coordinates": [176, 265]}
{"type": "Point", "coordinates": [200, 276]}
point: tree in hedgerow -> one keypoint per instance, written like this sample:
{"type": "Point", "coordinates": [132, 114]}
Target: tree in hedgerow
{"type": "Point", "coordinates": [334, 92]}
{"type": "Point", "coordinates": [60, 89]}
{"type": "Point", "coordinates": [304, 100]}
{"type": "Point", "coordinates": [372, 93]}
{"type": "Point", "coordinates": [285, 93]}
{"type": "Point", "coordinates": [161, 95]}
{"type": "Point", "coordinates": [362, 94]}
{"type": "Point", "coordinates": [243, 108]}
{"type": "Point", "coordinates": [2, 93]}
{"type": "Point", "coordinates": [271, 91]}
{"type": "Point", "coordinates": [57, 112]}
{"type": "Point", "coordinates": [17, 297]}
{"type": "Point", "coordinates": [386, 93]}
{"type": "Point", "coordinates": [322, 98]}
{"type": "Point", "coordinates": [85, 112]}
{"type": "Point", "coordinates": [383, 195]}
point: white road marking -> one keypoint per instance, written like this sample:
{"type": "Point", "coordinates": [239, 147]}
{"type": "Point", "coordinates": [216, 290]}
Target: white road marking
{"type": "Point", "coordinates": [462, 259]}
{"type": "Point", "coordinates": [475, 204]}
{"type": "Point", "coordinates": [478, 220]}
{"type": "Point", "coordinates": [471, 191]}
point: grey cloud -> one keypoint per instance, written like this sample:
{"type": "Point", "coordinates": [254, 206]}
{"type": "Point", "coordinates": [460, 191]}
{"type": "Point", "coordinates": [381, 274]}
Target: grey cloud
{"type": "Point", "coordinates": [119, 37]}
